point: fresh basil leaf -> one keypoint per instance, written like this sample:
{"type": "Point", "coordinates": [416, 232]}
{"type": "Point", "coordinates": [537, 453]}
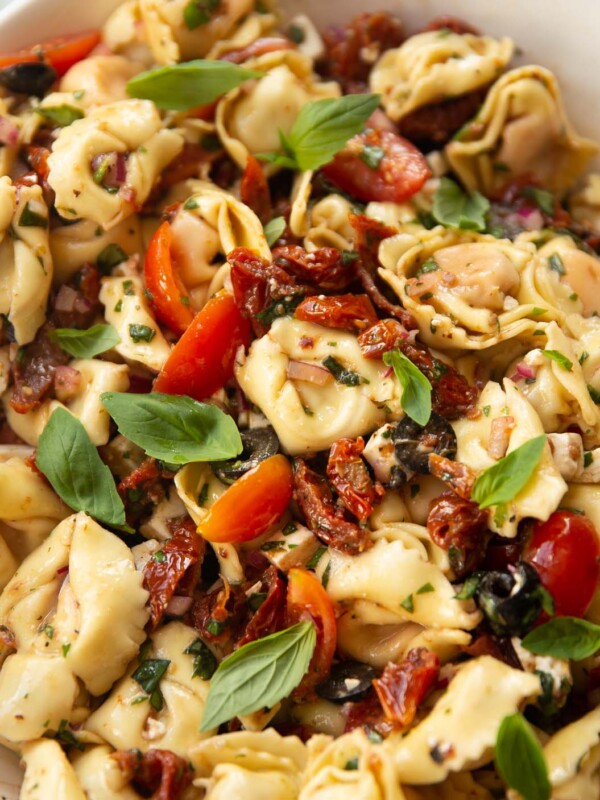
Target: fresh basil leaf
{"type": "Point", "coordinates": [322, 129]}
{"type": "Point", "coordinates": [520, 759]}
{"type": "Point", "coordinates": [61, 115]}
{"type": "Point", "coordinates": [173, 428]}
{"type": "Point", "coordinates": [88, 343]}
{"type": "Point", "coordinates": [259, 674]}
{"type": "Point", "coordinates": [502, 482]}
{"type": "Point", "coordinates": [455, 209]}
{"type": "Point", "coordinates": [559, 358]}
{"type": "Point", "coordinates": [193, 83]}
{"type": "Point", "coordinates": [416, 397]}
{"type": "Point", "coordinates": [199, 12]}
{"type": "Point", "coordinates": [564, 637]}
{"type": "Point", "coordinates": [274, 229]}
{"type": "Point", "coordinates": [148, 675]}
{"type": "Point", "coordinates": [71, 463]}
{"type": "Point", "coordinates": [555, 263]}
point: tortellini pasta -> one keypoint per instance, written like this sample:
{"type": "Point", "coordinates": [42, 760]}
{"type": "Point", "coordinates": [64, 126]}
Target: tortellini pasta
{"type": "Point", "coordinates": [523, 127]}
{"type": "Point", "coordinates": [309, 417]}
{"type": "Point", "coordinates": [48, 774]}
{"type": "Point", "coordinates": [127, 309]}
{"type": "Point", "coordinates": [433, 66]}
{"type": "Point", "coordinates": [452, 737]}
{"type": "Point", "coordinates": [249, 118]}
{"type": "Point", "coordinates": [95, 377]}
{"type": "Point", "coordinates": [25, 259]}
{"type": "Point", "coordinates": [460, 287]}
{"type": "Point", "coordinates": [130, 127]}
{"type": "Point", "coordinates": [126, 718]}
{"type": "Point", "coordinates": [545, 489]}
{"type": "Point", "coordinates": [100, 80]}
{"type": "Point", "coordinates": [100, 776]}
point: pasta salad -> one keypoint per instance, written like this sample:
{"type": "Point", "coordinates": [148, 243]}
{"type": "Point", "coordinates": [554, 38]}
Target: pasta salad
{"type": "Point", "coordinates": [300, 413]}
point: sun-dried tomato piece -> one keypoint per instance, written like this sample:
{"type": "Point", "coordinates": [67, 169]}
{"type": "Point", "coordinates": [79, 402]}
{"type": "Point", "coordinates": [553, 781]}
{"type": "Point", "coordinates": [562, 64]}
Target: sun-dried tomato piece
{"type": "Point", "coordinates": [323, 268]}
{"type": "Point", "coordinates": [349, 476]}
{"type": "Point", "coordinates": [266, 44]}
{"type": "Point", "coordinates": [142, 488]}
{"type": "Point", "coordinates": [34, 369]}
{"type": "Point", "coordinates": [158, 774]}
{"type": "Point", "coordinates": [367, 714]}
{"type": "Point", "coordinates": [324, 518]}
{"type": "Point", "coordinates": [435, 124]}
{"type": "Point", "coordinates": [176, 570]}
{"type": "Point", "coordinates": [368, 235]}
{"type": "Point", "coordinates": [386, 335]}
{"type": "Point", "coordinates": [450, 23]}
{"type": "Point", "coordinates": [352, 50]}
{"type": "Point", "coordinates": [262, 291]}
{"type": "Point", "coordinates": [460, 527]}
{"type": "Point", "coordinates": [402, 687]}
{"type": "Point", "coordinates": [347, 312]}
{"type": "Point", "coordinates": [500, 647]}
{"type": "Point", "coordinates": [254, 190]}
{"type": "Point", "coordinates": [270, 615]}
{"type": "Point", "coordinates": [187, 164]}
{"type": "Point", "coordinates": [452, 396]}
{"type": "Point", "coordinates": [76, 304]}
{"type": "Point", "coordinates": [219, 616]}
{"type": "Point", "coordinates": [459, 477]}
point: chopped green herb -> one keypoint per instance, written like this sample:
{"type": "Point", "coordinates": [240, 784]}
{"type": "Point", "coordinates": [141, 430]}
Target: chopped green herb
{"type": "Point", "coordinates": [537, 312]}
{"type": "Point", "coordinates": [266, 546]}
{"type": "Point", "coordinates": [291, 527]}
{"type": "Point", "coordinates": [559, 358]}
{"type": "Point", "coordinates": [148, 675]}
{"type": "Point", "coordinates": [199, 12]}
{"type": "Point", "coordinates": [326, 574]}
{"type": "Point", "coordinates": [340, 373]}
{"type": "Point", "coordinates": [351, 764]}
{"type": "Point", "coordinates": [584, 356]}
{"type": "Point", "coordinates": [469, 587]}
{"type": "Point", "coordinates": [594, 394]}
{"type": "Point", "coordinates": [203, 496]}
{"type": "Point", "coordinates": [256, 600]}
{"type": "Point", "coordinates": [428, 266]}
{"type": "Point", "coordinates": [349, 257]}
{"type": "Point", "coordinates": [296, 34]}
{"type": "Point", "coordinates": [141, 333]}
{"type": "Point", "coordinates": [205, 663]}
{"type": "Point", "coordinates": [372, 155]}
{"type": "Point", "coordinates": [555, 263]}
{"type": "Point", "coordinates": [587, 458]}
{"type": "Point", "coordinates": [65, 649]}
{"type": "Point", "coordinates": [214, 627]}
{"type": "Point", "coordinates": [542, 198]}
{"type": "Point", "coordinates": [65, 735]}
{"type": "Point", "coordinates": [159, 556]}
{"type": "Point", "coordinates": [486, 411]}
{"type": "Point", "coordinates": [425, 589]}
{"type": "Point", "coordinates": [61, 115]}
{"type": "Point", "coordinates": [31, 219]}
{"type": "Point", "coordinates": [49, 631]}
{"type": "Point", "coordinates": [119, 305]}
{"type": "Point", "coordinates": [190, 204]}
{"type": "Point", "coordinates": [408, 604]}
{"type": "Point", "coordinates": [110, 257]}
{"type": "Point", "coordinates": [315, 558]}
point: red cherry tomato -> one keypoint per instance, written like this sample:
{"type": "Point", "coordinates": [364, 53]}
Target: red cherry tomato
{"type": "Point", "coordinates": [252, 504]}
{"type": "Point", "coordinates": [308, 600]}
{"type": "Point", "coordinates": [379, 165]}
{"type": "Point", "coordinates": [168, 293]}
{"type": "Point", "coordinates": [61, 53]}
{"type": "Point", "coordinates": [202, 360]}
{"type": "Point", "coordinates": [565, 551]}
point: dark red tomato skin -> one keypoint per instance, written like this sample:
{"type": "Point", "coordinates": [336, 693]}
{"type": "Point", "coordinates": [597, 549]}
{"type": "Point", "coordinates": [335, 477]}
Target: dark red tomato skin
{"type": "Point", "coordinates": [565, 551]}
{"type": "Point", "coordinates": [400, 173]}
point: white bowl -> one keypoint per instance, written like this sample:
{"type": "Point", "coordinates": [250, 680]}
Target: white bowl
{"type": "Point", "coordinates": [560, 35]}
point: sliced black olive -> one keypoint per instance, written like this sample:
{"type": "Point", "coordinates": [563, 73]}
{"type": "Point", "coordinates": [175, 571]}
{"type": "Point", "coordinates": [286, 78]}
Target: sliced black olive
{"type": "Point", "coordinates": [259, 443]}
{"type": "Point", "coordinates": [414, 443]}
{"type": "Point", "coordinates": [512, 601]}
{"type": "Point", "coordinates": [348, 680]}
{"type": "Point", "coordinates": [30, 78]}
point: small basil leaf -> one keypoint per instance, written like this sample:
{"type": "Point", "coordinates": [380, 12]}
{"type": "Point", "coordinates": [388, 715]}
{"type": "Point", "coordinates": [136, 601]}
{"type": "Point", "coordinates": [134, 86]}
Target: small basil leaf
{"type": "Point", "coordinates": [564, 637]}
{"type": "Point", "coordinates": [205, 663]}
{"type": "Point", "coordinates": [61, 115]}
{"type": "Point", "coordinates": [71, 463]}
{"type": "Point", "coordinates": [322, 129]}
{"type": "Point", "coordinates": [259, 674]}
{"type": "Point", "coordinates": [416, 397]}
{"type": "Point", "coordinates": [342, 375]}
{"type": "Point", "coordinates": [88, 343]}
{"type": "Point", "coordinates": [559, 358]}
{"type": "Point", "coordinates": [456, 209]}
{"type": "Point", "coordinates": [520, 759]}
{"type": "Point", "coordinates": [31, 219]}
{"type": "Point", "coordinates": [173, 428]}
{"type": "Point", "coordinates": [112, 255]}
{"type": "Point", "coordinates": [543, 199]}
{"type": "Point", "coordinates": [193, 83]}
{"type": "Point", "coordinates": [199, 12]}
{"type": "Point", "coordinates": [274, 229]}
{"type": "Point", "coordinates": [502, 482]}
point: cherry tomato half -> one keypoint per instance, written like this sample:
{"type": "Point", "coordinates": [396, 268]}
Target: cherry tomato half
{"type": "Point", "coordinates": [252, 504]}
{"type": "Point", "coordinates": [307, 599]}
{"type": "Point", "coordinates": [565, 551]}
{"type": "Point", "coordinates": [168, 292]}
{"type": "Point", "coordinates": [378, 165]}
{"type": "Point", "coordinates": [61, 53]}
{"type": "Point", "coordinates": [202, 360]}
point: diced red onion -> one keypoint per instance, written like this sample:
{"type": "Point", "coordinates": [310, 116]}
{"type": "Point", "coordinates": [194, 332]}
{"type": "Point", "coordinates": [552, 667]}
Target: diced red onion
{"type": "Point", "coordinates": [65, 299]}
{"type": "Point", "coordinates": [523, 370]}
{"type": "Point", "coordinates": [311, 373]}
{"type": "Point", "coordinates": [113, 167]}
{"type": "Point", "coordinates": [9, 132]}
{"type": "Point", "coordinates": [178, 605]}
{"type": "Point", "coordinates": [388, 372]}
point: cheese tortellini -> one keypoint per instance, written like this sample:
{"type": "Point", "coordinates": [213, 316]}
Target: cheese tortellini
{"type": "Point", "coordinates": [523, 127]}
{"type": "Point", "coordinates": [130, 127]}
{"type": "Point", "coordinates": [433, 66]}
{"type": "Point", "coordinates": [309, 417]}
